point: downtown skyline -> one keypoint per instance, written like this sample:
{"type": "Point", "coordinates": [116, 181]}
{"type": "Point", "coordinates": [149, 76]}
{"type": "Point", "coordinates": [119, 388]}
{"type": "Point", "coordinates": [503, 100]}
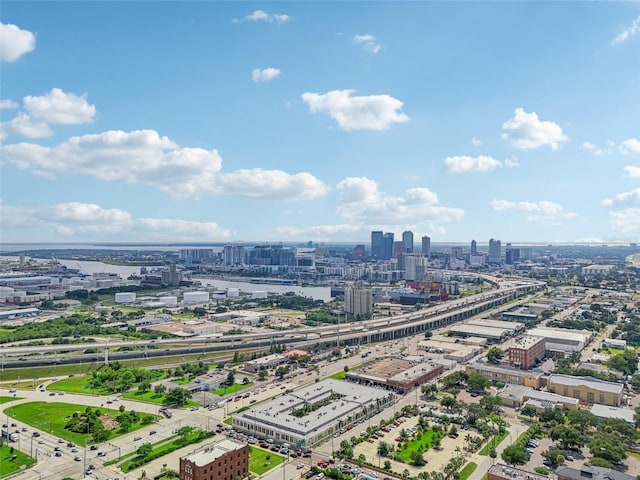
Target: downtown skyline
{"type": "Point", "coordinates": [229, 122]}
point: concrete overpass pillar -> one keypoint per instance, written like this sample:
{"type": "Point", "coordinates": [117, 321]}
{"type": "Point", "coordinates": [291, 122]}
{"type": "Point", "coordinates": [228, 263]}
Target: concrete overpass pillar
{"type": "Point", "coordinates": [106, 355]}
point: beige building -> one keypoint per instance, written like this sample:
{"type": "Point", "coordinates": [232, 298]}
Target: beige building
{"type": "Point", "coordinates": [506, 374]}
{"type": "Point", "coordinates": [586, 389]}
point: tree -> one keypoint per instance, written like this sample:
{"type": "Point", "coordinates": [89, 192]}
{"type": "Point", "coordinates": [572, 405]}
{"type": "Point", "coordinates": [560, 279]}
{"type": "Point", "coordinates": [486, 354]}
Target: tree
{"type": "Point", "coordinates": [429, 390]}
{"type": "Point", "coordinates": [417, 459]}
{"type": "Point", "coordinates": [383, 449]}
{"type": "Point", "coordinates": [581, 418]}
{"type": "Point", "coordinates": [495, 354]}
{"type": "Point", "coordinates": [448, 402]}
{"type": "Point", "coordinates": [262, 373]}
{"type": "Point", "coordinates": [478, 382]}
{"type": "Point", "coordinates": [121, 408]}
{"type": "Point", "coordinates": [231, 378]}
{"type": "Point", "coordinates": [346, 368]}
{"type": "Point", "coordinates": [177, 396]}
{"type": "Point", "coordinates": [608, 446]}
{"type": "Point", "coordinates": [159, 389]}
{"type": "Point", "coordinates": [387, 465]}
{"type": "Point", "coordinates": [515, 455]}
{"type": "Point", "coordinates": [144, 387]}
{"type": "Point", "coordinates": [529, 411]}
{"type": "Point", "coordinates": [625, 362]}
{"type": "Point", "coordinates": [361, 460]}
{"type": "Point", "coordinates": [567, 435]}
{"type": "Point", "coordinates": [144, 449]}
{"type": "Point", "coordinates": [245, 381]}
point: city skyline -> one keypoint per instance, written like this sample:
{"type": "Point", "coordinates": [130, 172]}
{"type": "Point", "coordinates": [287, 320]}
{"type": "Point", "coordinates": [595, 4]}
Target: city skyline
{"type": "Point", "coordinates": [230, 122]}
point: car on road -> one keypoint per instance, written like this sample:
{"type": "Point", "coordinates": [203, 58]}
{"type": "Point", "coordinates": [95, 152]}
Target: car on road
{"type": "Point", "coordinates": [57, 449]}
{"type": "Point", "coordinates": [58, 454]}
{"type": "Point", "coordinates": [40, 442]}
{"type": "Point", "coordinates": [52, 394]}
{"type": "Point", "coordinates": [77, 458]}
{"type": "Point", "coordinates": [135, 439]}
{"type": "Point", "coordinates": [569, 457]}
{"type": "Point", "coordinates": [74, 450]}
{"type": "Point", "coordinates": [60, 440]}
{"type": "Point", "coordinates": [93, 447]}
{"type": "Point", "coordinates": [35, 434]}
{"type": "Point", "coordinates": [152, 432]}
{"type": "Point", "coordinates": [14, 425]}
{"type": "Point", "coordinates": [102, 454]}
{"type": "Point", "coordinates": [299, 466]}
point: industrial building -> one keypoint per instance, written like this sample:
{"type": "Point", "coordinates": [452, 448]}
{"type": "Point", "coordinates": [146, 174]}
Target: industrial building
{"type": "Point", "coordinates": [615, 343]}
{"type": "Point", "coordinates": [588, 472]}
{"type": "Point", "coordinates": [605, 412]}
{"type": "Point", "coordinates": [529, 378]}
{"type": "Point", "coordinates": [310, 414]}
{"type": "Point", "coordinates": [512, 327]}
{"type": "Point", "coordinates": [223, 460]}
{"type": "Point", "coordinates": [398, 374]}
{"type": "Point", "coordinates": [562, 341]}
{"type": "Point", "coordinates": [270, 361]}
{"type": "Point", "coordinates": [586, 389]}
{"type": "Point", "coordinates": [491, 333]}
{"type": "Point", "coordinates": [525, 351]}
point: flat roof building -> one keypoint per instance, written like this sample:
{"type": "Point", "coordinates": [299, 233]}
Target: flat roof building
{"type": "Point", "coordinates": [586, 389]}
{"type": "Point", "coordinates": [223, 460]}
{"type": "Point", "coordinates": [604, 412]}
{"type": "Point", "coordinates": [587, 472]}
{"type": "Point", "coordinates": [529, 378]}
{"type": "Point", "coordinates": [267, 362]}
{"type": "Point", "coordinates": [513, 327]}
{"type": "Point", "coordinates": [478, 331]}
{"type": "Point", "coordinates": [310, 414]}
{"type": "Point", "coordinates": [506, 472]}
{"type": "Point", "coordinates": [525, 351]}
{"type": "Point", "coordinates": [399, 374]}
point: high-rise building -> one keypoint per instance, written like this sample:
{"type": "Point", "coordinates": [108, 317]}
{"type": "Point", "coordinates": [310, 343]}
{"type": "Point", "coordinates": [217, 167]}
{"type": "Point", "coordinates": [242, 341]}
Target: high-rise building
{"type": "Point", "coordinates": [397, 249]}
{"type": "Point", "coordinates": [407, 239]}
{"type": "Point", "coordinates": [474, 247]}
{"type": "Point", "coordinates": [512, 255]}
{"type": "Point", "coordinates": [171, 277]}
{"type": "Point", "coordinates": [377, 244]}
{"type": "Point", "coordinates": [456, 252]}
{"type": "Point", "coordinates": [388, 246]}
{"type": "Point", "coordinates": [224, 460]}
{"type": "Point", "coordinates": [495, 251]}
{"type": "Point", "coordinates": [415, 267]}
{"type": "Point", "coordinates": [426, 246]}
{"type": "Point", "coordinates": [358, 301]}
{"type": "Point", "coordinates": [233, 255]}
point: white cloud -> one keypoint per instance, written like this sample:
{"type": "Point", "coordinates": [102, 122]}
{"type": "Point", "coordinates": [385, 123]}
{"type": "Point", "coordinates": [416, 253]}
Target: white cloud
{"type": "Point", "coordinates": [593, 148]}
{"type": "Point", "coordinates": [543, 211]}
{"type": "Point", "coordinates": [625, 211]}
{"type": "Point", "coordinates": [25, 126]}
{"type": "Point", "coordinates": [262, 16]}
{"type": "Point", "coordinates": [15, 42]}
{"type": "Point", "coordinates": [144, 157]}
{"type": "Point", "coordinates": [265, 74]}
{"type": "Point", "coordinates": [475, 142]}
{"type": "Point", "coordinates": [55, 107]}
{"type": "Point", "coordinates": [368, 42]}
{"type": "Point", "coordinates": [87, 220]}
{"type": "Point", "coordinates": [59, 107]}
{"type": "Point", "coordinates": [6, 104]}
{"type": "Point", "coordinates": [373, 112]}
{"type": "Point", "coordinates": [361, 201]}
{"type": "Point", "coordinates": [466, 164]}
{"type": "Point", "coordinates": [627, 33]}
{"type": "Point", "coordinates": [623, 200]}
{"type": "Point", "coordinates": [343, 231]}
{"type": "Point", "coordinates": [511, 162]}
{"type": "Point", "coordinates": [631, 145]}
{"type": "Point", "coordinates": [526, 132]}
{"type": "Point", "coordinates": [273, 184]}
{"type": "Point", "coordinates": [632, 171]}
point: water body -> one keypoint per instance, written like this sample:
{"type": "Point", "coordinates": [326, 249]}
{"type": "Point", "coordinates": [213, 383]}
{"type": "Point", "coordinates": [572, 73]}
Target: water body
{"type": "Point", "coordinates": [90, 267]}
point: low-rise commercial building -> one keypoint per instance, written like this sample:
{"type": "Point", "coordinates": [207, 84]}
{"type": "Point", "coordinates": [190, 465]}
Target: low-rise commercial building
{"type": "Point", "coordinates": [586, 389]}
{"type": "Point", "coordinates": [525, 351]}
{"type": "Point", "coordinates": [270, 361]}
{"type": "Point", "coordinates": [591, 473]}
{"type": "Point", "coordinates": [562, 341]}
{"type": "Point", "coordinates": [506, 472]}
{"type": "Point", "coordinates": [605, 412]}
{"type": "Point", "coordinates": [310, 414]}
{"type": "Point", "coordinates": [529, 378]}
{"type": "Point", "coordinates": [223, 460]}
{"type": "Point", "coordinates": [399, 374]}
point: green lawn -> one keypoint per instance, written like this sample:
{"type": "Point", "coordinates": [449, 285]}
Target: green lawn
{"type": "Point", "coordinates": [339, 375]}
{"type": "Point", "coordinates": [51, 417]}
{"type": "Point", "coordinates": [153, 397]}
{"type": "Point", "coordinates": [9, 466]}
{"type": "Point", "coordinates": [497, 440]}
{"type": "Point", "coordinates": [236, 387]}
{"type": "Point", "coordinates": [77, 385]}
{"type": "Point", "coordinates": [261, 461]}
{"type": "Point", "coordinates": [8, 399]}
{"type": "Point", "coordinates": [419, 441]}
{"type": "Point", "coordinates": [468, 469]}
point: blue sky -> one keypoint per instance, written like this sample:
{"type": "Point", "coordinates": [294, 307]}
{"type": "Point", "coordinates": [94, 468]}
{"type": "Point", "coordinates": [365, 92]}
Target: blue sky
{"type": "Point", "coordinates": [238, 121]}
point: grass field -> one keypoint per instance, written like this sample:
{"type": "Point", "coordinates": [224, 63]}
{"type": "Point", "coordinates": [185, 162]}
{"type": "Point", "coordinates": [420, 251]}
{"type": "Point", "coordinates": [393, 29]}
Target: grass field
{"type": "Point", "coordinates": [422, 441]}
{"type": "Point", "coordinates": [468, 469]}
{"type": "Point", "coordinates": [339, 375]}
{"type": "Point", "coordinates": [153, 397]}
{"type": "Point", "coordinates": [51, 417]}
{"type": "Point", "coordinates": [77, 385]}
{"type": "Point", "coordinates": [497, 439]}
{"type": "Point", "coordinates": [9, 466]}
{"type": "Point", "coordinates": [8, 399]}
{"type": "Point", "coordinates": [236, 387]}
{"type": "Point", "coordinates": [261, 461]}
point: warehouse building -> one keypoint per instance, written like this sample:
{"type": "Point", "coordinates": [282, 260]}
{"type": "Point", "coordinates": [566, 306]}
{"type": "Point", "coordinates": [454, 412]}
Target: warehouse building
{"type": "Point", "coordinates": [491, 333]}
{"type": "Point", "coordinates": [513, 327]}
{"type": "Point", "coordinates": [310, 414]}
{"type": "Point", "coordinates": [586, 389]}
{"type": "Point", "coordinates": [562, 341]}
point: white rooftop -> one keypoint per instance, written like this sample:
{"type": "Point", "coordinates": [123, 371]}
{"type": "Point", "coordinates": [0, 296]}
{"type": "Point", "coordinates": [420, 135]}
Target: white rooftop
{"type": "Point", "coordinates": [210, 452]}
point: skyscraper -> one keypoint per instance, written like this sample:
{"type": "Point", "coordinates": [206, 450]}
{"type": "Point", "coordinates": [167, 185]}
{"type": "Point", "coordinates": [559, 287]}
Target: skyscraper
{"type": "Point", "coordinates": [426, 246]}
{"type": "Point", "coordinates": [358, 302]}
{"type": "Point", "coordinates": [397, 249]}
{"type": "Point", "coordinates": [495, 251]}
{"type": "Point", "coordinates": [377, 244]}
{"type": "Point", "coordinates": [407, 239]}
{"type": "Point", "coordinates": [512, 255]}
{"type": "Point", "coordinates": [474, 247]}
{"type": "Point", "coordinates": [388, 245]}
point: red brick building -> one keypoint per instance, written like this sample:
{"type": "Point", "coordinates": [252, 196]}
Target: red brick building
{"type": "Point", "coordinates": [223, 460]}
{"type": "Point", "coordinates": [525, 351]}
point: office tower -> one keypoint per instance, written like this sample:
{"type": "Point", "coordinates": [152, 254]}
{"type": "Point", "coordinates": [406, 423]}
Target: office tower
{"type": "Point", "coordinates": [474, 247]}
{"type": "Point", "coordinates": [407, 239]}
{"type": "Point", "coordinates": [495, 251]}
{"type": "Point", "coordinates": [426, 246]}
{"type": "Point", "coordinates": [233, 255]}
{"type": "Point", "coordinates": [526, 253]}
{"type": "Point", "coordinates": [415, 267]}
{"type": "Point", "coordinates": [377, 244]}
{"type": "Point", "coordinates": [358, 302]}
{"type": "Point", "coordinates": [512, 255]}
{"type": "Point", "coordinates": [398, 248]}
{"type": "Point", "coordinates": [388, 245]}
{"type": "Point", "coordinates": [456, 252]}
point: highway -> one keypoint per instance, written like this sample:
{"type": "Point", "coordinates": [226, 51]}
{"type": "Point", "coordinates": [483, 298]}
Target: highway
{"type": "Point", "coordinates": [366, 331]}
